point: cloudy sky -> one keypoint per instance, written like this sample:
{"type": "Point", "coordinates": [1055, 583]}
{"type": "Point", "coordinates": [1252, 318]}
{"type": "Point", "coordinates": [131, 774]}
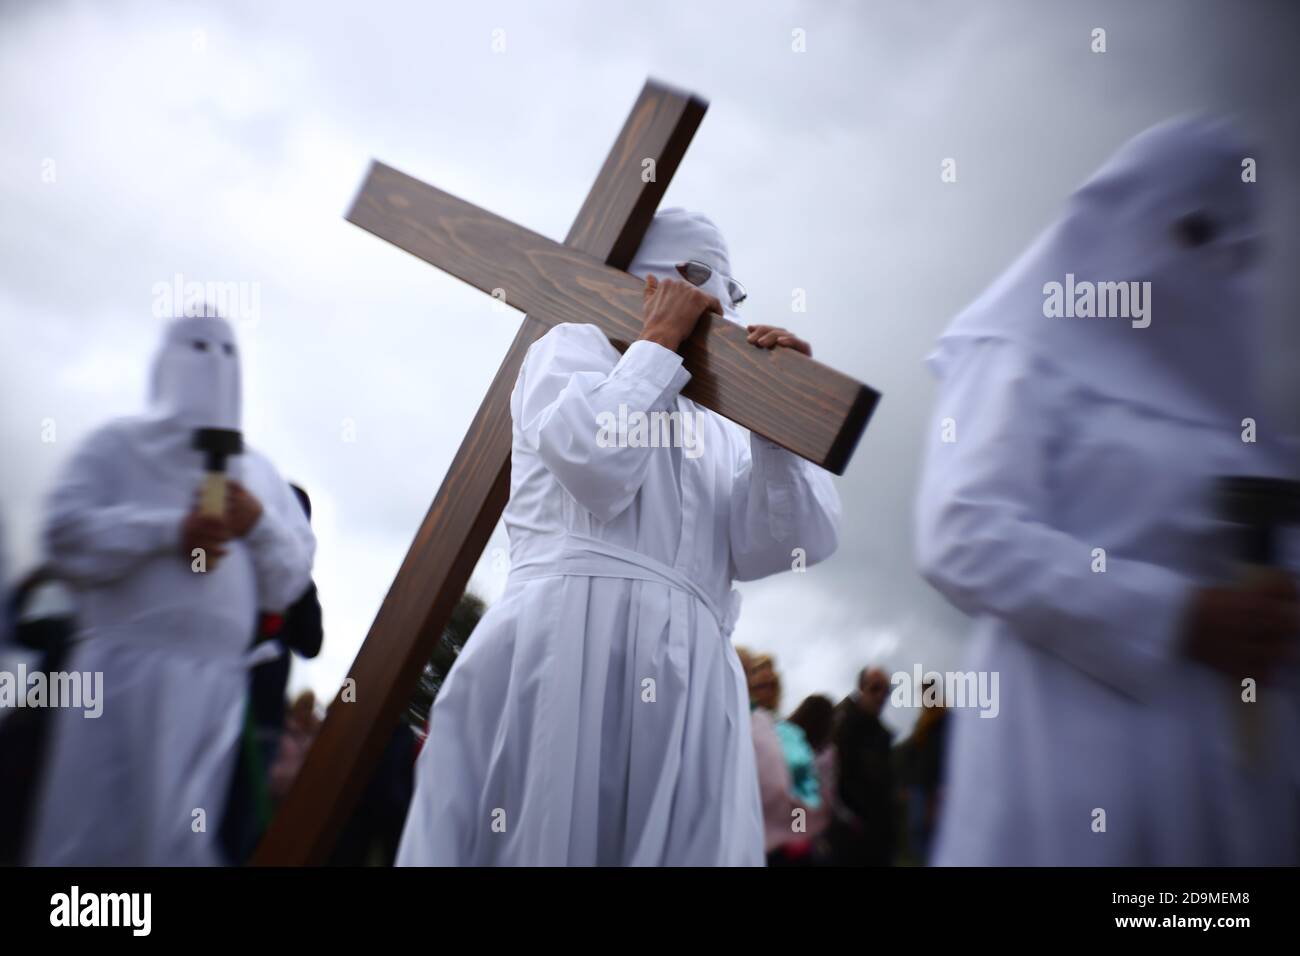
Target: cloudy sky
{"type": "Point", "coordinates": [224, 141]}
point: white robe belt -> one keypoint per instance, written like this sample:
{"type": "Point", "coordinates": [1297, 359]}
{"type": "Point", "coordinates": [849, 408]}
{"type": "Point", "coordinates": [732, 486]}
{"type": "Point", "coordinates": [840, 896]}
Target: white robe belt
{"type": "Point", "coordinates": [585, 556]}
{"type": "Point", "coordinates": [137, 640]}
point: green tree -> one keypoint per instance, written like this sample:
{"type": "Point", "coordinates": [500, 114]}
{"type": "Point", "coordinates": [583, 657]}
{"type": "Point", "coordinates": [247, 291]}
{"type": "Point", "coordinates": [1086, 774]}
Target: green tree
{"type": "Point", "coordinates": [464, 618]}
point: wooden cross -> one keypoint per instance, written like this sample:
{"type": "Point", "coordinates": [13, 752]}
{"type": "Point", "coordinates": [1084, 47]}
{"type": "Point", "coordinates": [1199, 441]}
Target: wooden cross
{"type": "Point", "coordinates": [780, 394]}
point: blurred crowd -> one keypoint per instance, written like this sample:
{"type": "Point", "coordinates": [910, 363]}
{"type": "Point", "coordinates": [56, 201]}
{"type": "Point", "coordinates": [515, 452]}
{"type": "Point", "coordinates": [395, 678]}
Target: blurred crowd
{"type": "Point", "coordinates": [836, 789]}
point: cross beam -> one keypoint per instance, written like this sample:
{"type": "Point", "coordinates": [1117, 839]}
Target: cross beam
{"type": "Point", "coordinates": [781, 394]}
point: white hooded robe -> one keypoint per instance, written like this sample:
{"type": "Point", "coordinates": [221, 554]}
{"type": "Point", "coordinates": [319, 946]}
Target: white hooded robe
{"type": "Point", "coordinates": [599, 714]}
{"type": "Point", "coordinates": [127, 788]}
{"type": "Point", "coordinates": [1066, 505]}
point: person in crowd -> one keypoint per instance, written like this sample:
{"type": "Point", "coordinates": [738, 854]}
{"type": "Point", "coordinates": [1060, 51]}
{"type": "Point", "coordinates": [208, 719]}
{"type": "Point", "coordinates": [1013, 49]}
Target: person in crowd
{"type": "Point", "coordinates": [793, 811]}
{"type": "Point", "coordinates": [1092, 401]}
{"type": "Point", "coordinates": [297, 631]}
{"type": "Point", "coordinates": [862, 833]}
{"type": "Point", "coordinates": [166, 590]}
{"type": "Point", "coordinates": [918, 768]}
{"type": "Point", "coordinates": [41, 616]}
{"type": "Point", "coordinates": [301, 725]}
{"type": "Point", "coordinates": [815, 716]}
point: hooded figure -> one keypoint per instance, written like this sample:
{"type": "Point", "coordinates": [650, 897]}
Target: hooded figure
{"type": "Point", "coordinates": [598, 715]}
{"type": "Point", "coordinates": [145, 783]}
{"type": "Point", "coordinates": [1067, 505]}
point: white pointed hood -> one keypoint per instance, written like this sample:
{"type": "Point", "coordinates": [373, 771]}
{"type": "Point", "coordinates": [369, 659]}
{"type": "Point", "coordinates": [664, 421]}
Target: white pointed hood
{"type": "Point", "coordinates": [195, 381]}
{"type": "Point", "coordinates": [1196, 359]}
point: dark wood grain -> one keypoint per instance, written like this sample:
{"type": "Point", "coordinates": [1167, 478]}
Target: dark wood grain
{"type": "Point", "coordinates": [800, 404]}
{"type": "Point", "coordinates": [619, 207]}
{"type": "Point", "coordinates": [456, 529]}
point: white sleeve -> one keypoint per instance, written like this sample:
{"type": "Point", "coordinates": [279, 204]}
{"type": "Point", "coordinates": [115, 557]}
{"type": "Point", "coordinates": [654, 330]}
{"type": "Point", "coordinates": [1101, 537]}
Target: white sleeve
{"type": "Point", "coordinates": [780, 503]}
{"type": "Point", "coordinates": [985, 536]}
{"type": "Point", "coordinates": [92, 540]}
{"type": "Point", "coordinates": [568, 385]}
{"type": "Point", "coordinates": [281, 544]}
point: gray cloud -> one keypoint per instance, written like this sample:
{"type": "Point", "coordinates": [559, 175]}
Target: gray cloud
{"type": "Point", "coordinates": [224, 141]}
